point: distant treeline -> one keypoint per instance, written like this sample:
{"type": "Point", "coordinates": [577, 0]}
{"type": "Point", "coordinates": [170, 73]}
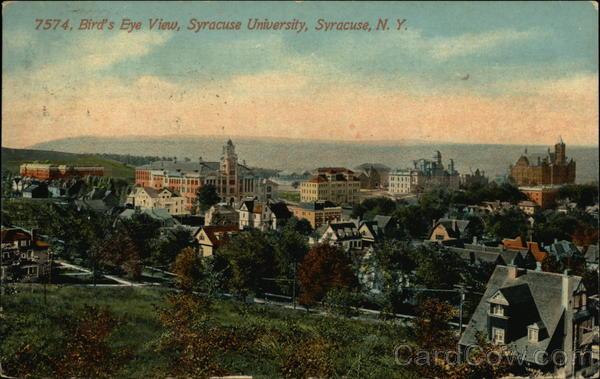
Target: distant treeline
{"type": "Point", "coordinates": [133, 160]}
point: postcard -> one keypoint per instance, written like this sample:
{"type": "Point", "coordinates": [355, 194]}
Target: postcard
{"type": "Point", "coordinates": [299, 189]}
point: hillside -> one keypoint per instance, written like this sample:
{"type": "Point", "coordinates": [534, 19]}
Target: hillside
{"type": "Point", "coordinates": [13, 158]}
{"type": "Point", "coordinates": [293, 155]}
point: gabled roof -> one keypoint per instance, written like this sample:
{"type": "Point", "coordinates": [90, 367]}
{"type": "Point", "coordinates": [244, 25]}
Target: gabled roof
{"type": "Point", "coordinates": [217, 235]}
{"type": "Point", "coordinates": [533, 247]}
{"type": "Point", "coordinates": [542, 294]}
{"type": "Point", "coordinates": [382, 221]}
{"type": "Point", "coordinates": [453, 227]}
{"type": "Point", "coordinates": [591, 254]}
{"type": "Point", "coordinates": [280, 210]}
{"type": "Point", "coordinates": [14, 234]}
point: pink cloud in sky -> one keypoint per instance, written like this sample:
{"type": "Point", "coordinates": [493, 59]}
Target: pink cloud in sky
{"type": "Point", "coordinates": [285, 104]}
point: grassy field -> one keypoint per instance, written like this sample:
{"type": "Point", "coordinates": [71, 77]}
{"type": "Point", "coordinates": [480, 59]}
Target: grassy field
{"type": "Point", "coordinates": [361, 349]}
{"type": "Point", "coordinates": [13, 158]}
{"type": "Point", "coordinates": [291, 196]}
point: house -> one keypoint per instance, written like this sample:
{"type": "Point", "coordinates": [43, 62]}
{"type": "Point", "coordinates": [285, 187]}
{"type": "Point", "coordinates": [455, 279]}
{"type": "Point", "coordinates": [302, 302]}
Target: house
{"type": "Point", "coordinates": [36, 191]}
{"type": "Point", "coordinates": [150, 198]}
{"type": "Point", "coordinates": [533, 247]}
{"type": "Point", "coordinates": [528, 207]}
{"type": "Point", "coordinates": [534, 313]}
{"type": "Point", "coordinates": [25, 257]}
{"type": "Point", "coordinates": [99, 200]}
{"type": "Point", "coordinates": [478, 257]}
{"type": "Point", "coordinates": [221, 214]}
{"type": "Point", "coordinates": [161, 215]}
{"type": "Point", "coordinates": [591, 257]}
{"type": "Point", "coordinates": [449, 230]}
{"type": "Point", "coordinates": [211, 238]}
{"type": "Point", "coordinates": [342, 234]}
{"type": "Point", "coordinates": [375, 230]}
{"type": "Point", "coordinates": [563, 249]}
{"type": "Point", "coordinates": [262, 215]}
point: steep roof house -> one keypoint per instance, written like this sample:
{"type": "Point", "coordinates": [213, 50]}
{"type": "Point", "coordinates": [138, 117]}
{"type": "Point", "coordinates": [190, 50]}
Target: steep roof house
{"type": "Point", "coordinates": [342, 234]}
{"type": "Point", "coordinates": [25, 257]}
{"type": "Point", "coordinates": [450, 230]}
{"type": "Point", "coordinates": [211, 238]}
{"type": "Point", "coordinates": [533, 313]}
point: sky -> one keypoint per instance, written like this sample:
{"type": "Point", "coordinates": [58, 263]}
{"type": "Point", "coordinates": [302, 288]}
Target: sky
{"type": "Point", "coordinates": [497, 72]}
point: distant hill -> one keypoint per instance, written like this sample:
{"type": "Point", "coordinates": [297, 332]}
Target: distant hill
{"type": "Point", "coordinates": [13, 158]}
{"type": "Point", "coordinates": [295, 155]}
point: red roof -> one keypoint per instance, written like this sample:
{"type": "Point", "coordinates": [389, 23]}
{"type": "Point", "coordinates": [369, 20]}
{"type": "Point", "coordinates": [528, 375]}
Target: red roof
{"type": "Point", "coordinates": [11, 235]}
{"type": "Point", "coordinates": [533, 247]}
{"type": "Point", "coordinates": [212, 231]}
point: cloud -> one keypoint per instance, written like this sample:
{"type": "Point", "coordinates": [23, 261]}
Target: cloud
{"type": "Point", "coordinates": [94, 53]}
{"type": "Point", "coordinates": [476, 43]}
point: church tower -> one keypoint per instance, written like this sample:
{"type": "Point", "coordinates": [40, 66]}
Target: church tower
{"type": "Point", "coordinates": [228, 170]}
{"type": "Point", "coordinates": [560, 153]}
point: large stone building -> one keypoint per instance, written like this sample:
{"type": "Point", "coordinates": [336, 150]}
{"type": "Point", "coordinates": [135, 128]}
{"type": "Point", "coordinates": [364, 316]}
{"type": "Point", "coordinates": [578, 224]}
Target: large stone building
{"type": "Point", "coordinates": [425, 174]}
{"type": "Point", "coordinates": [335, 184]}
{"type": "Point", "coordinates": [231, 179]}
{"type": "Point", "coordinates": [52, 171]}
{"type": "Point", "coordinates": [544, 169]}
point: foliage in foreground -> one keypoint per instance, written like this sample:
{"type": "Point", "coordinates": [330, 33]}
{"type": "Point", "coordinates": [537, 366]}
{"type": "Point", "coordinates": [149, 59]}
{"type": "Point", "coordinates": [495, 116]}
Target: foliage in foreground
{"type": "Point", "coordinates": [229, 337]}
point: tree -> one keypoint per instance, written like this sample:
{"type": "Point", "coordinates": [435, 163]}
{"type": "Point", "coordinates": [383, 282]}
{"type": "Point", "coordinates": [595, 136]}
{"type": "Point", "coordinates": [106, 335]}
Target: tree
{"type": "Point", "coordinates": [168, 247]}
{"type": "Point", "coordinates": [372, 207]}
{"type": "Point", "coordinates": [188, 269]}
{"type": "Point", "coordinates": [207, 196]}
{"type": "Point", "coordinates": [300, 225]}
{"type": "Point", "coordinates": [143, 230]}
{"type": "Point", "coordinates": [507, 224]}
{"type": "Point", "coordinates": [250, 257]}
{"type": "Point", "coordinates": [437, 268]}
{"type": "Point", "coordinates": [118, 253]}
{"type": "Point", "coordinates": [394, 262]}
{"type": "Point", "coordinates": [324, 268]}
{"type": "Point", "coordinates": [87, 350]}
{"type": "Point", "coordinates": [582, 194]}
{"type": "Point", "coordinates": [189, 338]}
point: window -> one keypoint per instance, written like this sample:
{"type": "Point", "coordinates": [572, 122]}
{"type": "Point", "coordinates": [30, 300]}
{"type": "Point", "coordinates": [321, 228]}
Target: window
{"type": "Point", "coordinates": [497, 310]}
{"type": "Point", "coordinates": [532, 334]}
{"type": "Point", "coordinates": [498, 335]}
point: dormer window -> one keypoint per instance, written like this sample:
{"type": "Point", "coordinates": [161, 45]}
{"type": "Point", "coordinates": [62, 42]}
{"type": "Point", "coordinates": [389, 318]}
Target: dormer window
{"type": "Point", "coordinates": [533, 334]}
{"type": "Point", "coordinates": [497, 310]}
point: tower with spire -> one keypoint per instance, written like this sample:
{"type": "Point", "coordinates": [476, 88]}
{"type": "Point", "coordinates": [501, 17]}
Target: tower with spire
{"type": "Point", "coordinates": [228, 181]}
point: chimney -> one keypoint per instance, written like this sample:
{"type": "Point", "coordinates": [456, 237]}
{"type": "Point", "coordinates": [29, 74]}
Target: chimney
{"type": "Point", "coordinates": [514, 272]}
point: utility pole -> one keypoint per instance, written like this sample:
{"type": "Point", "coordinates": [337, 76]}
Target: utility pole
{"type": "Point", "coordinates": [294, 288]}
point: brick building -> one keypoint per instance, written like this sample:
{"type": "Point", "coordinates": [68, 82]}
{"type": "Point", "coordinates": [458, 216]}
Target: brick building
{"type": "Point", "coordinates": [231, 179]}
{"type": "Point", "coordinates": [52, 171]}
{"type": "Point", "coordinates": [544, 169]}
{"type": "Point", "coordinates": [317, 213]}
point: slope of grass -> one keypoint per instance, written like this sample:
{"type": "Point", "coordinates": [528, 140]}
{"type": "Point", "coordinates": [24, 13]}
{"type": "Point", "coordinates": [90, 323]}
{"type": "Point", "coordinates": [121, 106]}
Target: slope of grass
{"type": "Point", "coordinates": [13, 158]}
{"type": "Point", "coordinates": [364, 349]}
